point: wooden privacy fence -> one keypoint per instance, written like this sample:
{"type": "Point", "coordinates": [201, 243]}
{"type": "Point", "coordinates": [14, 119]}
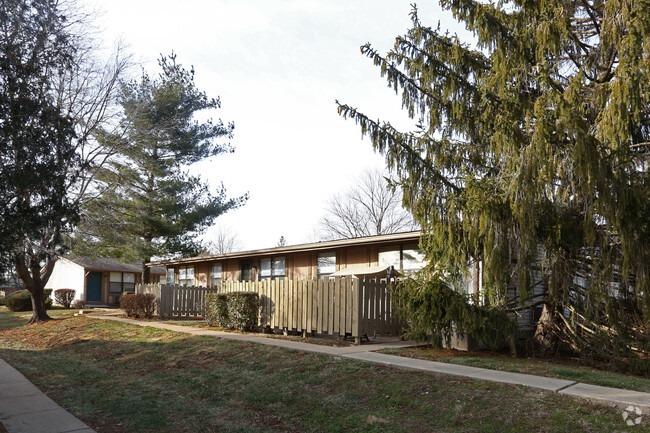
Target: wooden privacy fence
{"type": "Point", "coordinates": [343, 306]}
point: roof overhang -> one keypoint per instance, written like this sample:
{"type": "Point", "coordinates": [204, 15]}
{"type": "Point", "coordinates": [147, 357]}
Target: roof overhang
{"type": "Point", "coordinates": [408, 237]}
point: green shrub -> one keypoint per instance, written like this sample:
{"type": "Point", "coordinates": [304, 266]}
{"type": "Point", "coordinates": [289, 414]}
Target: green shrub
{"type": "Point", "coordinates": [216, 309]}
{"type": "Point", "coordinates": [243, 308]}
{"type": "Point", "coordinates": [22, 300]}
{"type": "Point", "coordinates": [434, 311]}
{"type": "Point", "coordinates": [140, 304]}
{"type": "Point", "coordinates": [238, 310]}
{"type": "Point", "coordinates": [64, 297]}
{"type": "Point", "coordinates": [2, 300]}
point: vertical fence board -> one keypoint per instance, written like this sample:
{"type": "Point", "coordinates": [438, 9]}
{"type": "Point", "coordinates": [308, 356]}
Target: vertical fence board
{"type": "Point", "coordinates": [318, 305]}
{"type": "Point", "coordinates": [294, 305]}
{"type": "Point", "coordinates": [274, 301]}
{"type": "Point", "coordinates": [354, 303]}
{"type": "Point", "coordinates": [349, 305]}
{"type": "Point", "coordinates": [298, 318]}
{"type": "Point", "coordinates": [334, 304]}
{"type": "Point", "coordinates": [329, 305]}
{"type": "Point", "coordinates": [341, 307]}
{"type": "Point", "coordinates": [309, 291]}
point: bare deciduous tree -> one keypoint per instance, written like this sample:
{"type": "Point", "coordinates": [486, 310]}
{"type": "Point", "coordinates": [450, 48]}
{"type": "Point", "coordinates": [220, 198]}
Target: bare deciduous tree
{"type": "Point", "coordinates": [372, 207]}
{"type": "Point", "coordinates": [225, 241]}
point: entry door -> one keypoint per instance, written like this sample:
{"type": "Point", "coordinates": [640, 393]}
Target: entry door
{"type": "Point", "coordinates": [94, 287]}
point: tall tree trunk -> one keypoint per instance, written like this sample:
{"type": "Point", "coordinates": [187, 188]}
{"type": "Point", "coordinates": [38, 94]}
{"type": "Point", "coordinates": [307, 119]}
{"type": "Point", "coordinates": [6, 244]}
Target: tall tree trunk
{"type": "Point", "coordinates": [35, 277]}
{"type": "Point", "coordinates": [545, 338]}
{"type": "Point", "coordinates": [39, 312]}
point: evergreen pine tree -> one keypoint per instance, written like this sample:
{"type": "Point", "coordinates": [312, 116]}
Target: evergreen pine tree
{"type": "Point", "coordinates": [531, 154]}
{"type": "Point", "coordinates": [150, 206]}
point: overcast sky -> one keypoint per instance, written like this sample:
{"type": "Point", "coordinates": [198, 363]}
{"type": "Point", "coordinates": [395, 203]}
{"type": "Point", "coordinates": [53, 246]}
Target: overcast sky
{"type": "Point", "coordinates": [278, 67]}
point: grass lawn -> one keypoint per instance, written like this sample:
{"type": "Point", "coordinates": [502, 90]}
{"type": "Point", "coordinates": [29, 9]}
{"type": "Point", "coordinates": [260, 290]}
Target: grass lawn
{"type": "Point", "coordinates": [10, 319]}
{"type": "Point", "coordinates": [324, 340]}
{"type": "Point", "coordinates": [565, 368]}
{"type": "Point", "coordinates": [123, 378]}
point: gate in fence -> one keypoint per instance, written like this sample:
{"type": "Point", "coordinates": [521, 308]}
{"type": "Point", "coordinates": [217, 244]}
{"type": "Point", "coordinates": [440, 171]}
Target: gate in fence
{"type": "Point", "coordinates": [343, 306]}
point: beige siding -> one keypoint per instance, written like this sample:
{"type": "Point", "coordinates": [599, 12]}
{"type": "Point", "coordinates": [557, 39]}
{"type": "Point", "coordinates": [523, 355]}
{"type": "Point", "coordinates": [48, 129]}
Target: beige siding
{"type": "Point", "coordinates": [303, 265]}
{"type": "Point", "coordinates": [202, 274]}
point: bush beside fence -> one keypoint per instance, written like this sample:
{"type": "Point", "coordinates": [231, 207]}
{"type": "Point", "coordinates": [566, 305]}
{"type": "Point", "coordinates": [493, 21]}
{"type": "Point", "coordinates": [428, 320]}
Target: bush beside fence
{"type": "Point", "coordinates": [216, 309]}
{"type": "Point", "coordinates": [140, 304]}
{"type": "Point", "coordinates": [343, 306]}
{"type": "Point", "coordinates": [238, 310]}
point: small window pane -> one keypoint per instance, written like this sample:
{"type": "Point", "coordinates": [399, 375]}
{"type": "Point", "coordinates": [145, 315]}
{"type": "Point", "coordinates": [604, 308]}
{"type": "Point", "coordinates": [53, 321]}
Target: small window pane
{"type": "Point", "coordinates": [115, 287]}
{"type": "Point", "coordinates": [278, 266]}
{"type": "Point", "coordinates": [190, 272]}
{"type": "Point", "coordinates": [116, 277]}
{"type": "Point", "coordinates": [389, 258]}
{"type": "Point", "coordinates": [170, 276]}
{"type": "Point", "coordinates": [182, 273]}
{"type": "Point", "coordinates": [129, 287]}
{"type": "Point", "coordinates": [129, 277]}
{"type": "Point", "coordinates": [413, 260]}
{"type": "Point", "coordinates": [326, 263]}
{"type": "Point", "coordinates": [216, 273]}
{"type": "Point", "coordinates": [265, 268]}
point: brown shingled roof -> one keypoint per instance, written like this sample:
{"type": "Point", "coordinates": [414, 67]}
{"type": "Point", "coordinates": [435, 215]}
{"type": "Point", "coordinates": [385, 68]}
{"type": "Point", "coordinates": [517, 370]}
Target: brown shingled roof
{"type": "Point", "coordinates": [112, 264]}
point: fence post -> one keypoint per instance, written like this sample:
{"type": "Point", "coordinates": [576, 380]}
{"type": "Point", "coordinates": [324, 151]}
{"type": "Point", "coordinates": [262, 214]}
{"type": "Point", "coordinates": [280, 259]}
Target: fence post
{"type": "Point", "coordinates": [162, 302]}
{"type": "Point", "coordinates": [356, 310]}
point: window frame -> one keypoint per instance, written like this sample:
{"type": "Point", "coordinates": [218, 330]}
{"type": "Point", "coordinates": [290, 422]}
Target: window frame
{"type": "Point", "coordinates": [183, 270]}
{"type": "Point", "coordinates": [327, 254]}
{"type": "Point", "coordinates": [273, 268]}
{"type": "Point", "coordinates": [171, 272]}
{"type": "Point", "coordinates": [403, 249]}
{"type": "Point", "coordinates": [122, 284]}
{"type": "Point", "coordinates": [212, 274]}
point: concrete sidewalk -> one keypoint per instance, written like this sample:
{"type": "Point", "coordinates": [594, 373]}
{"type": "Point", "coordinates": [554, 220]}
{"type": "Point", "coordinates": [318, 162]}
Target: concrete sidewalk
{"type": "Point", "coordinates": [367, 352]}
{"type": "Point", "coordinates": [25, 409]}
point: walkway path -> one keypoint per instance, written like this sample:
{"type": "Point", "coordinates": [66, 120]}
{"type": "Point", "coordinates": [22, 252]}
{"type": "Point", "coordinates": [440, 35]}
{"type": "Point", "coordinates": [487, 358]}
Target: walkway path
{"type": "Point", "coordinates": [367, 352]}
{"type": "Point", "coordinates": [25, 409]}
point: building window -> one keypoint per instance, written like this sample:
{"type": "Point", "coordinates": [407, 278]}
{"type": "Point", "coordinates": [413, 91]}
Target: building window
{"type": "Point", "coordinates": [412, 259]}
{"type": "Point", "coordinates": [326, 264]}
{"type": "Point", "coordinates": [272, 268]}
{"type": "Point", "coordinates": [170, 276]}
{"type": "Point", "coordinates": [186, 276]}
{"type": "Point", "coordinates": [391, 258]}
{"type": "Point", "coordinates": [406, 259]}
{"type": "Point", "coordinates": [121, 282]}
{"type": "Point", "coordinates": [216, 274]}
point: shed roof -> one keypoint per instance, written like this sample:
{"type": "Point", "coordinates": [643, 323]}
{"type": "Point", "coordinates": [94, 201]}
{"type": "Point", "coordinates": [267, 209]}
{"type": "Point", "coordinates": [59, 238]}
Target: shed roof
{"type": "Point", "coordinates": [112, 264]}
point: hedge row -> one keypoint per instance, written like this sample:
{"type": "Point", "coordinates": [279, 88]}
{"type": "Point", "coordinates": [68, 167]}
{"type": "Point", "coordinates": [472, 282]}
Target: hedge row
{"type": "Point", "coordinates": [22, 300]}
{"type": "Point", "coordinates": [236, 310]}
{"type": "Point", "coordinates": [140, 304]}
